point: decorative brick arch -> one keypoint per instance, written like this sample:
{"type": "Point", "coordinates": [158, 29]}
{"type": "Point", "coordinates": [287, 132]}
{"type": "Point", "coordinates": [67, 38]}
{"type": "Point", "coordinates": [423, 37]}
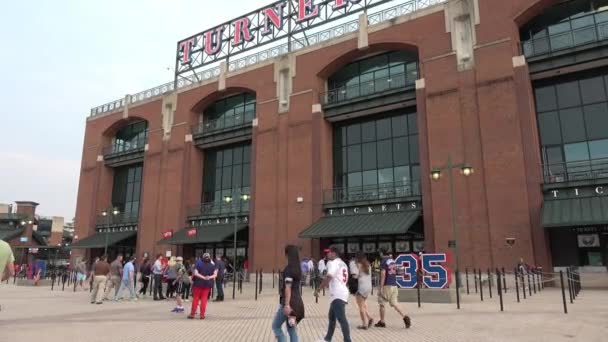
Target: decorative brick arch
{"type": "Point", "coordinates": [209, 99]}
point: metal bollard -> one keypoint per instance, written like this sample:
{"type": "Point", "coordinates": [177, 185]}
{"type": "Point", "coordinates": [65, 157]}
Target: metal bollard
{"type": "Point", "coordinates": [490, 283]}
{"type": "Point", "coordinates": [534, 282]}
{"type": "Point", "coordinates": [516, 283]}
{"type": "Point", "coordinates": [480, 286]}
{"type": "Point", "coordinates": [499, 289]}
{"type": "Point", "coordinates": [261, 281]}
{"type": "Point", "coordinates": [418, 284]}
{"type": "Point", "coordinates": [539, 278]}
{"type": "Point", "coordinates": [570, 292]}
{"type": "Point", "coordinates": [475, 279]}
{"type": "Point", "coordinates": [561, 279]}
{"type": "Point", "coordinates": [529, 284]}
{"type": "Point", "coordinates": [273, 278]}
{"type": "Point", "coordinates": [504, 281]}
{"type": "Point", "coordinates": [256, 284]}
{"type": "Point", "coordinates": [466, 271]}
{"type": "Point", "coordinates": [457, 289]}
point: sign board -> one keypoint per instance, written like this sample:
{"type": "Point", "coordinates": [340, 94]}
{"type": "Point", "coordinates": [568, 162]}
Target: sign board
{"type": "Point", "coordinates": [451, 243]}
{"type": "Point", "coordinates": [168, 254]}
{"type": "Point", "coordinates": [23, 239]}
{"type": "Point", "coordinates": [167, 234]}
{"type": "Point", "coordinates": [588, 240]}
{"type": "Point", "coordinates": [191, 232]}
{"type": "Point", "coordinates": [435, 274]}
{"type": "Point", "coordinates": [283, 20]}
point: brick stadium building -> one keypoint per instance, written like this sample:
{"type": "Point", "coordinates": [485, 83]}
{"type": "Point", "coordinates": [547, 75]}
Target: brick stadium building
{"type": "Point", "coordinates": [334, 134]}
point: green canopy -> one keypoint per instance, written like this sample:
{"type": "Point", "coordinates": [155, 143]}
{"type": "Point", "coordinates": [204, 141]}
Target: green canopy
{"type": "Point", "coordinates": [581, 211]}
{"type": "Point", "coordinates": [390, 223]}
{"type": "Point", "coordinates": [98, 240]}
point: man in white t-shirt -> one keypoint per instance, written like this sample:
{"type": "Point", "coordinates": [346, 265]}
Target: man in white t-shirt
{"type": "Point", "coordinates": [336, 279]}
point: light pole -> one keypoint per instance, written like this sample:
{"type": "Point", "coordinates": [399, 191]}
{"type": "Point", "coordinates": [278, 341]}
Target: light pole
{"type": "Point", "coordinates": [466, 170]}
{"type": "Point", "coordinates": [228, 200]}
{"type": "Point", "coordinates": [105, 214]}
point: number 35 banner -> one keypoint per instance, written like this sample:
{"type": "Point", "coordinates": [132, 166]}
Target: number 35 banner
{"type": "Point", "coordinates": [435, 275]}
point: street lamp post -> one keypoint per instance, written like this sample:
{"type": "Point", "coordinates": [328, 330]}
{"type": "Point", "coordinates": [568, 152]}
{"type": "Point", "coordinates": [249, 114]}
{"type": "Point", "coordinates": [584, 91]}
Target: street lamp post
{"type": "Point", "coordinates": [465, 170]}
{"type": "Point", "coordinates": [105, 214]}
{"type": "Point", "coordinates": [228, 200]}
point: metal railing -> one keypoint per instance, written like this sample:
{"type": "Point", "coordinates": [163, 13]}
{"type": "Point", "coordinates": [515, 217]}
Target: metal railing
{"type": "Point", "coordinates": [219, 209]}
{"type": "Point", "coordinates": [404, 8]}
{"type": "Point", "coordinates": [372, 192]}
{"type": "Point", "coordinates": [575, 171]}
{"type": "Point", "coordinates": [121, 218]}
{"type": "Point", "coordinates": [224, 123]}
{"type": "Point", "coordinates": [124, 147]}
{"type": "Point", "coordinates": [578, 33]}
{"type": "Point", "coordinates": [375, 86]}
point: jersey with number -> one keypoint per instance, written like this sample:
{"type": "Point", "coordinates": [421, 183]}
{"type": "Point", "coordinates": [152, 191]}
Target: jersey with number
{"type": "Point", "coordinates": [338, 271]}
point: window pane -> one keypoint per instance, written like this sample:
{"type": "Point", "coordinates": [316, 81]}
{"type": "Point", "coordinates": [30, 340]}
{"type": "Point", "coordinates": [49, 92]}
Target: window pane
{"type": "Point", "coordinates": [385, 176]}
{"type": "Point", "coordinates": [568, 94]}
{"type": "Point", "coordinates": [576, 152]}
{"type": "Point", "coordinates": [413, 149]}
{"type": "Point", "coordinates": [226, 177]}
{"type": "Point", "coordinates": [554, 161]}
{"type": "Point", "coordinates": [369, 156]}
{"type": "Point", "coordinates": [354, 179]}
{"type": "Point", "coordinates": [599, 149]}
{"type": "Point", "coordinates": [402, 174]}
{"type": "Point", "coordinates": [573, 127]}
{"type": "Point", "coordinates": [370, 177]}
{"type": "Point", "coordinates": [237, 156]}
{"type": "Point", "coordinates": [219, 158]}
{"type": "Point", "coordinates": [550, 132]}
{"type": "Point", "coordinates": [227, 157]}
{"type": "Point", "coordinates": [415, 173]}
{"type": "Point", "coordinates": [596, 121]}
{"type": "Point", "coordinates": [368, 131]}
{"type": "Point", "coordinates": [246, 174]}
{"type": "Point", "coordinates": [412, 123]}
{"type": "Point", "coordinates": [237, 174]}
{"type": "Point", "coordinates": [385, 154]}
{"type": "Point", "coordinates": [354, 158]}
{"type": "Point", "coordinates": [383, 128]}
{"type": "Point", "coordinates": [247, 154]}
{"type": "Point", "coordinates": [399, 125]}
{"type": "Point", "coordinates": [218, 179]}
{"type": "Point", "coordinates": [545, 99]}
{"type": "Point", "coordinates": [592, 90]}
{"type": "Point", "coordinates": [400, 151]}
{"type": "Point", "coordinates": [354, 134]}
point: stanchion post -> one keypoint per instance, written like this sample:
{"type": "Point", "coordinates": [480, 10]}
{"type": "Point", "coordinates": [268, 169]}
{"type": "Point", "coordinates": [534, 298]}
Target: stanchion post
{"type": "Point", "coordinates": [529, 284]}
{"type": "Point", "coordinates": [498, 280]}
{"type": "Point", "coordinates": [418, 284]}
{"type": "Point", "coordinates": [273, 278]}
{"type": "Point", "coordinates": [261, 281]}
{"type": "Point", "coordinates": [570, 289]}
{"type": "Point", "coordinates": [457, 289]}
{"type": "Point", "coordinates": [475, 279]}
{"type": "Point", "coordinates": [256, 284]}
{"type": "Point", "coordinates": [561, 279]}
{"type": "Point", "coordinates": [490, 282]}
{"type": "Point", "coordinates": [516, 283]}
{"type": "Point", "coordinates": [533, 281]}
{"type": "Point", "coordinates": [480, 286]}
{"type": "Point", "coordinates": [523, 285]}
{"type": "Point", "coordinates": [466, 271]}
{"type": "Point", "coordinates": [504, 281]}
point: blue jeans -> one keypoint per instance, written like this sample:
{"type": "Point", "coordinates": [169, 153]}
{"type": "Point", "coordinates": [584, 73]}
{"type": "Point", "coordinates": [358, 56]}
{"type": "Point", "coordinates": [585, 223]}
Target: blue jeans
{"type": "Point", "coordinates": [219, 285]}
{"type": "Point", "coordinates": [337, 312]}
{"type": "Point", "coordinates": [125, 284]}
{"type": "Point", "coordinates": [277, 327]}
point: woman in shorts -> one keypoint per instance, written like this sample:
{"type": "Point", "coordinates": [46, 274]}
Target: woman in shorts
{"type": "Point", "coordinates": [364, 290]}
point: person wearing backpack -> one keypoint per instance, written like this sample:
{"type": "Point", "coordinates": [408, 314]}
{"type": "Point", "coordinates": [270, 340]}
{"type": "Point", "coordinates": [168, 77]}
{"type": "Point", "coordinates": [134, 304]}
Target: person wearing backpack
{"type": "Point", "coordinates": [291, 306]}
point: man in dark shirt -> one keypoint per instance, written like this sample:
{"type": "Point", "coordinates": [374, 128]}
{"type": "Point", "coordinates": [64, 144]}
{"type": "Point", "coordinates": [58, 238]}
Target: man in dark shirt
{"type": "Point", "coordinates": [101, 269]}
{"type": "Point", "coordinates": [220, 266]}
{"type": "Point", "coordinates": [388, 291]}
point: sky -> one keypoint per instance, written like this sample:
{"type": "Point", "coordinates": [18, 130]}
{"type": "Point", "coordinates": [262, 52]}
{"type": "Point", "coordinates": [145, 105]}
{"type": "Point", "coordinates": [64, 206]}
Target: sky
{"type": "Point", "coordinates": [61, 58]}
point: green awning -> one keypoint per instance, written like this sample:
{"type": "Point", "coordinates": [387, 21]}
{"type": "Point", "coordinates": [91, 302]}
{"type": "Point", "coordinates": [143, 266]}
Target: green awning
{"type": "Point", "coordinates": [9, 234]}
{"type": "Point", "coordinates": [575, 212]}
{"type": "Point", "coordinates": [98, 240]}
{"type": "Point", "coordinates": [204, 234]}
{"type": "Point", "coordinates": [393, 223]}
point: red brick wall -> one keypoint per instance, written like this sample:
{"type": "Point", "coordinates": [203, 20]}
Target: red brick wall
{"type": "Point", "coordinates": [483, 116]}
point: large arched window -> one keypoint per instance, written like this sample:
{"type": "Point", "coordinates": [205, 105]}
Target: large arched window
{"type": "Point", "coordinates": [132, 136]}
{"type": "Point", "coordinates": [229, 112]}
{"type": "Point", "coordinates": [373, 75]}
{"type": "Point", "coordinates": [566, 25]}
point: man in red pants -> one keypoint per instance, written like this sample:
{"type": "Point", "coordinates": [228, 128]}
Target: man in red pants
{"type": "Point", "coordinates": [204, 276]}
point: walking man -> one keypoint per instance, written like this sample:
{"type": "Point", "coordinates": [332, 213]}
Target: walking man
{"type": "Point", "coordinates": [101, 269]}
{"type": "Point", "coordinates": [336, 279]}
{"type": "Point", "coordinates": [220, 266]}
{"type": "Point", "coordinates": [157, 270]}
{"type": "Point", "coordinates": [388, 291]}
{"type": "Point", "coordinates": [114, 281]}
{"type": "Point", "coordinates": [128, 280]}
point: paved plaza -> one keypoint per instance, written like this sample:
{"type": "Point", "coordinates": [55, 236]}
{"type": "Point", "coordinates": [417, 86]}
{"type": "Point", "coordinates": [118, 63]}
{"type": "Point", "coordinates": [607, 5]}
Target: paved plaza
{"type": "Point", "coordinates": [37, 314]}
